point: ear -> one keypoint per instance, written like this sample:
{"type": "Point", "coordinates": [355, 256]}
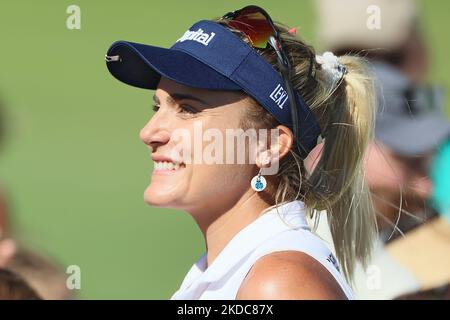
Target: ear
{"type": "Point", "coordinates": [280, 144]}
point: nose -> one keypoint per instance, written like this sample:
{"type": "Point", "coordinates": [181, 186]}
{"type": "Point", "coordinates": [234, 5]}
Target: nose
{"type": "Point", "coordinates": [154, 133]}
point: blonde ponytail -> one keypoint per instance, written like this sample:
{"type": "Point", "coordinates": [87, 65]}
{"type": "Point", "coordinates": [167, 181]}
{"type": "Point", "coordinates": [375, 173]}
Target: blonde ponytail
{"type": "Point", "coordinates": [337, 182]}
{"type": "Point", "coordinates": [345, 111]}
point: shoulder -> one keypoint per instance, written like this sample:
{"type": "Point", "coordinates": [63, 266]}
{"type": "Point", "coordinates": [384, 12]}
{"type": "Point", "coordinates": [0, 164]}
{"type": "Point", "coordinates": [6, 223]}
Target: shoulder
{"type": "Point", "coordinates": [289, 275]}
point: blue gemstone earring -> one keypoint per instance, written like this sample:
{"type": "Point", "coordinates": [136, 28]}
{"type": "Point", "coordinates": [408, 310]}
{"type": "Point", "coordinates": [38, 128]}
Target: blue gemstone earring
{"type": "Point", "coordinates": [258, 182]}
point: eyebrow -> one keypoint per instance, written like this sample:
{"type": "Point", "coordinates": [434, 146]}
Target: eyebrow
{"type": "Point", "coordinates": [181, 96]}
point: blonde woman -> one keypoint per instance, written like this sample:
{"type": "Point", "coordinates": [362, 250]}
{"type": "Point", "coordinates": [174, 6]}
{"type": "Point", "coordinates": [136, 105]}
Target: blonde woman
{"type": "Point", "coordinates": [242, 72]}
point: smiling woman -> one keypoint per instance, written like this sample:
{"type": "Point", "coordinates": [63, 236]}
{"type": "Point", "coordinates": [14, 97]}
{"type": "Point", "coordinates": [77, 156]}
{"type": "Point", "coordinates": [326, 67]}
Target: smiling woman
{"type": "Point", "coordinates": [243, 72]}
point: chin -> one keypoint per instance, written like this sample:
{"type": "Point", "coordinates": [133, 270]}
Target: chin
{"type": "Point", "coordinates": [158, 196]}
{"type": "Point", "coordinates": [154, 197]}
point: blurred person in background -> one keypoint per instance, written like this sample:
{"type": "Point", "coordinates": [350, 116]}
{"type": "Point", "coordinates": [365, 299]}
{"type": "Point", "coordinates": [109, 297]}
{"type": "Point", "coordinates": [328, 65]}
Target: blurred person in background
{"type": "Point", "coordinates": [7, 246]}
{"type": "Point", "coordinates": [4, 252]}
{"type": "Point", "coordinates": [13, 287]}
{"type": "Point", "coordinates": [23, 272]}
{"type": "Point", "coordinates": [40, 272]}
{"type": "Point", "coordinates": [438, 236]}
{"type": "Point", "coordinates": [2, 197]}
{"type": "Point", "coordinates": [410, 126]}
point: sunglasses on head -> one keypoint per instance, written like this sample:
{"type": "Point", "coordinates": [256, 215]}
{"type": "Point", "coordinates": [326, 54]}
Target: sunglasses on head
{"type": "Point", "coordinates": [256, 24]}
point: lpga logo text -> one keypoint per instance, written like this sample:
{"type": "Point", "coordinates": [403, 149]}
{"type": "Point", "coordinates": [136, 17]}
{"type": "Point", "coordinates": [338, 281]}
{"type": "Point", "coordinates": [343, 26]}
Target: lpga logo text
{"type": "Point", "coordinates": [214, 146]}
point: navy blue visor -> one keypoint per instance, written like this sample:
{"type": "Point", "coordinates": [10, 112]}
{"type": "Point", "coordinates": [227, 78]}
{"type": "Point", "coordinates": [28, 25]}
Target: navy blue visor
{"type": "Point", "coordinates": [209, 56]}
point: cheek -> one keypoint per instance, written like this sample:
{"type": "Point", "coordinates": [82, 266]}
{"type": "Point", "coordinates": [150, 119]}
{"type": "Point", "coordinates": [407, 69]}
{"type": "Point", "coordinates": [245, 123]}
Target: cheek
{"type": "Point", "coordinates": [215, 155]}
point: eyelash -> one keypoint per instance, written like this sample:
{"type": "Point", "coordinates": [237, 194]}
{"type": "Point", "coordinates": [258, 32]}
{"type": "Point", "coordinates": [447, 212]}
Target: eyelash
{"type": "Point", "coordinates": [184, 108]}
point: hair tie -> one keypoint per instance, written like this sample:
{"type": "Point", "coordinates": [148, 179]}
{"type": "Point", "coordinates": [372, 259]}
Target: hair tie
{"type": "Point", "coordinates": [333, 68]}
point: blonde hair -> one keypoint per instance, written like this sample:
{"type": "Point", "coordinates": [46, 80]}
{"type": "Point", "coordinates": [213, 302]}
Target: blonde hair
{"type": "Point", "coordinates": [346, 114]}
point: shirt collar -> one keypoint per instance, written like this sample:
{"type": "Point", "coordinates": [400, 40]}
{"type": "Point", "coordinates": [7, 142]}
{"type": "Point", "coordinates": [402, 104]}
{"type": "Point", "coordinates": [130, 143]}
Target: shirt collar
{"type": "Point", "coordinates": [289, 215]}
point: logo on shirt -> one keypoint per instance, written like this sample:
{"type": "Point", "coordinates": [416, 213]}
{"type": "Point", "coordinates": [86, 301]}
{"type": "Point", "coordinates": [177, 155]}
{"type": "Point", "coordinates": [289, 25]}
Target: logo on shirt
{"type": "Point", "coordinates": [333, 260]}
{"type": "Point", "coordinates": [199, 36]}
{"type": "Point", "coordinates": [279, 96]}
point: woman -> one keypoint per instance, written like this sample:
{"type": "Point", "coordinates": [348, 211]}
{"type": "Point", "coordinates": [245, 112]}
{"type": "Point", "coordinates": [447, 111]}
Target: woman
{"type": "Point", "coordinates": [242, 72]}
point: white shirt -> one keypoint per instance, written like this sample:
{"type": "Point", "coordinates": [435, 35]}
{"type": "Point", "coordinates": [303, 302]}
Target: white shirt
{"type": "Point", "coordinates": [275, 230]}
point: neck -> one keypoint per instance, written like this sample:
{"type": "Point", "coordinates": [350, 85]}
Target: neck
{"type": "Point", "coordinates": [221, 225]}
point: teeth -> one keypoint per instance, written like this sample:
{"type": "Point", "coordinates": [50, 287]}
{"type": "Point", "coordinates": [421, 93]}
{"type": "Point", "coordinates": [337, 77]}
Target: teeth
{"type": "Point", "coordinates": [164, 165]}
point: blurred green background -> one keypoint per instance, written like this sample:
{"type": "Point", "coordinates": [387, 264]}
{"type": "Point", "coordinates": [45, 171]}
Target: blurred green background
{"type": "Point", "coordinates": [73, 166]}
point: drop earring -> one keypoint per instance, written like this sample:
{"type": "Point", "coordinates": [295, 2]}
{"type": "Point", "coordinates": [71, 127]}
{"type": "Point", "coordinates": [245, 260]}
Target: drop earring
{"type": "Point", "coordinates": [258, 182]}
